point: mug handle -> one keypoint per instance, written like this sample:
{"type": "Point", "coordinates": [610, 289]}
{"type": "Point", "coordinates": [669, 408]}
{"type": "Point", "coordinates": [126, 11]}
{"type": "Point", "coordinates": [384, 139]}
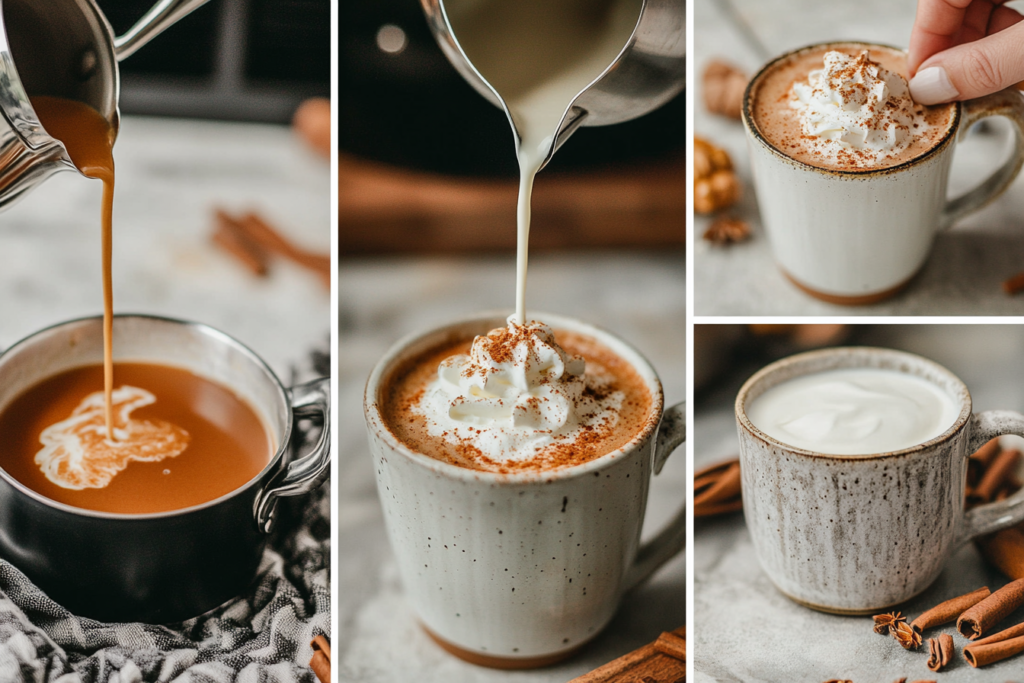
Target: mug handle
{"type": "Point", "coordinates": [1006, 103]}
{"type": "Point", "coordinates": [312, 399]}
{"type": "Point", "coordinates": [987, 519]}
{"type": "Point", "coordinates": [671, 539]}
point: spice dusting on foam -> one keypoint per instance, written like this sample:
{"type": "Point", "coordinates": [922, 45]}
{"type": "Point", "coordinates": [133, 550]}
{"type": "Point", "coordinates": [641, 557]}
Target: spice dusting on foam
{"type": "Point", "coordinates": [856, 113]}
{"type": "Point", "coordinates": [517, 401]}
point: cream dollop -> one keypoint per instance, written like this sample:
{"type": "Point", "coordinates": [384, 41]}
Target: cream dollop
{"type": "Point", "coordinates": [77, 454]}
{"type": "Point", "coordinates": [515, 393]}
{"type": "Point", "coordinates": [855, 105]}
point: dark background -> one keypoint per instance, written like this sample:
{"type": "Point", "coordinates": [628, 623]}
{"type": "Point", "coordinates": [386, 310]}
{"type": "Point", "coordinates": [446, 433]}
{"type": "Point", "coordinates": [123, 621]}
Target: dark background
{"type": "Point", "coordinates": [230, 59]}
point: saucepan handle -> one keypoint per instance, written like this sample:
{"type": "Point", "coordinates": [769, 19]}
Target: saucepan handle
{"type": "Point", "coordinates": [671, 539]}
{"type": "Point", "coordinates": [311, 470]}
{"type": "Point", "coordinates": [987, 519]}
{"type": "Point", "coordinates": [159, 17]}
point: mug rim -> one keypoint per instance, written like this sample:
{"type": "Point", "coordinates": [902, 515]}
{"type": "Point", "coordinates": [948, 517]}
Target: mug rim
{"type": "Point", "coordinates": [212, 332]}
{"type": "Point", "coordinates": [375, 420]}
{"type": "Point", "coordinates": [755, 133]}
{"type": "Point", "coordinates": [739, 410]}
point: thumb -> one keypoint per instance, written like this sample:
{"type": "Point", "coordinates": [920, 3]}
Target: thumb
{"type": "Point", "coordinates": [972, 69]}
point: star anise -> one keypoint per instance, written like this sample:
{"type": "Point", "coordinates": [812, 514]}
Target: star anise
{"type": "Point", "coordinates": [884, 623]}
{"type": "Point", "coordinates": [905, 635]}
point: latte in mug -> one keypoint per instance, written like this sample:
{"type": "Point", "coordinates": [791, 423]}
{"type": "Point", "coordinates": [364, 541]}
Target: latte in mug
{"type": "Point", "coordinates": [846, 107]}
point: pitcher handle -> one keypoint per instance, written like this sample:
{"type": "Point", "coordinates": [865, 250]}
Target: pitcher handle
{"type": "Point", "coordinates": [986, 519]}
{"type": "Point", "coordinates": [311, 470]}
{"type": "Point", "coordinates": [672, 538]}
{"type": "Point", "coordinates": [159, 17]}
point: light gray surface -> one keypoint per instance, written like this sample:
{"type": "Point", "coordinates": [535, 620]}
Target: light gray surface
{"type": "Point", "coordinates": [639, 297]}
{"type": "Point", "coordinates": [968, 263]}
{"type": "Point", "coordinates": [745, 630]}
{"type": "Point", "coordinates": [170, 176]}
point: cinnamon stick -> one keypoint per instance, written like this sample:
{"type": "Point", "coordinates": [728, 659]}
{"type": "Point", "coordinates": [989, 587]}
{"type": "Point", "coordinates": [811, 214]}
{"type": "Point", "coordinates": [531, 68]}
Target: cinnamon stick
{"type": "Point", "coordinates": [940, 651]}
{"type": "Point", "coordinates": [321, 661]}
{"type": "Point", "coordinates": [948, 611]}
{"type": "Point", "coordinates": [273, 241]}
{"type": "Point", "coordinates": [983, 655]}
{"type": "Point", "coordinates": [987, 452]}
{"type": "Point", "coordinates": [990, 611]}
{"type": "Point", "coordinates": [1005, 550]}
{"type": "Point", "coordinates": [1014, 284]}
{"type": "Point", "coordinates": [231, 237]}
{"type": "Point", "coordinates": [717, 489]}
{"type": "Point", "coordinates": [996, 475]}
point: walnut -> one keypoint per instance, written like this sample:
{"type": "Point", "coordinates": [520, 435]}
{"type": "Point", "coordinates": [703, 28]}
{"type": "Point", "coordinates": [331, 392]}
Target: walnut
{"type": "Point", "coordinates": [715, 186]}
{"type": "Point", "coordinates": [727, 230]}
{"type": "Point", "coordinates": [723, 89]}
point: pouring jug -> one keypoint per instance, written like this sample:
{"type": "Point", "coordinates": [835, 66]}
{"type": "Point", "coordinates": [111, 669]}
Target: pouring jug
{"type": "Point", "coordinates": [62, 48]}
{"type": "Point", "coordinates": [648, 72]}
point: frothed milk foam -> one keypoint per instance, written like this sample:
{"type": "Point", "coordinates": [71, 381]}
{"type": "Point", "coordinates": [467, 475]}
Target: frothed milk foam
{"type": "Point", "coordinates": [854, 411]}
{"type": "Point", "coordinates": [538, 55]}
{"type": "Point", "coordinates": [847, 107]}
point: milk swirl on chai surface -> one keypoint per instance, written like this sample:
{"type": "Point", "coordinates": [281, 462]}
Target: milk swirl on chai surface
{"type": "Point", "coordinates": [855, 110]}
{"type": "Point", "coordinates": [514, 395]}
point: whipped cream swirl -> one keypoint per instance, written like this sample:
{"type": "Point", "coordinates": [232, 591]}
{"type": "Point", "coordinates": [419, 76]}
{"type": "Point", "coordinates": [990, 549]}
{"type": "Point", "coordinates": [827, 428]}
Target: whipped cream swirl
{"type": "Point", "coordinates": [516, 393]}
{"type": "Point", "coordinates": [855, 110]}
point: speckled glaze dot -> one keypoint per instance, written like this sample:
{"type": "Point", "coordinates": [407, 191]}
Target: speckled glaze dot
{"type": "Point", "coordinates": [856, 534]}
{"type": "Point", "coordinates": [507, 569]}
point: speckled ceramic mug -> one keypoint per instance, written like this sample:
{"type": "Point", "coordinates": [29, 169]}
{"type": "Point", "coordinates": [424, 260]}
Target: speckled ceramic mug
{"type": "Point", "coordinates": [857, 237]}
{"type": "Point", "coordinates": [858, 534]}
{"type": "Point", "coordinates": [520, 570]}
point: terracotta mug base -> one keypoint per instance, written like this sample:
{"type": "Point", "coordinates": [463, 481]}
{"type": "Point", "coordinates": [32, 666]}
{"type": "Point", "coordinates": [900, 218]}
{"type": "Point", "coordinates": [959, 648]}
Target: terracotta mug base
{"type": "Point", "coordinates": [494, 662]}
{"type": "Point", "coordinates": [843, 300]}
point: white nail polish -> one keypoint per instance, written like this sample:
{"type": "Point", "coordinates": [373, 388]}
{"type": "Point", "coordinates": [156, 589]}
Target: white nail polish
{"type": "Point", "coordinates": [932, 86]}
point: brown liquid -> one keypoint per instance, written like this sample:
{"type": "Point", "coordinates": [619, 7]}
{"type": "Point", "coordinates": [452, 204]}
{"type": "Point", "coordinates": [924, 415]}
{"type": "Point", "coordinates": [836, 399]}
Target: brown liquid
{"type": "Point", "coordinates": [228, 443]}
{"type": "Point", "coordinates": [605, 371]}
{"type": "Point", "coordinates": [89, 140]}
{"type": "Point", "coordinates": [780, 124]}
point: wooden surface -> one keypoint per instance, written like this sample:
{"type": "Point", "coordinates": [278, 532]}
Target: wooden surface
{"type": "Point", "coordinates": [386, 209]}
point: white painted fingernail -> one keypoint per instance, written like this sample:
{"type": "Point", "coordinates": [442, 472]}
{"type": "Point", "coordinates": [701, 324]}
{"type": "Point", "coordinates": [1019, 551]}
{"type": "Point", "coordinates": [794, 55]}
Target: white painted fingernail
{"type": "Point", "coordinates": [932, 86]}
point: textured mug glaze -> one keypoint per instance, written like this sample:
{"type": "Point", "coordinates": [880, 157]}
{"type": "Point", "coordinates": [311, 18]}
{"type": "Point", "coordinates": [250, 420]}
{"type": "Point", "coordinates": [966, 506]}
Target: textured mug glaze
{"type": "Point", "coordinates": [521, 569]}
{"type": "Point", "coordinates": [854, 237]}
{"type": "Point", "coordinates": [857, 534]}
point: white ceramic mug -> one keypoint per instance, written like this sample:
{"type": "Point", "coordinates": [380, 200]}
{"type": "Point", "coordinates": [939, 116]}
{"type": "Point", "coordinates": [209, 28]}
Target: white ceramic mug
{"type": "Point", "coordinates": [858, 534]}
{"type": "Point", "coordinates": [520, 570]}
{"type": "Point", "coordinates": [857, 237]}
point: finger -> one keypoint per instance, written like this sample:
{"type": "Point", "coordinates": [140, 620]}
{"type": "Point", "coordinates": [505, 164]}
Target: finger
{"type": "Point", "coordinates": [973, 69]}
{"type": "Point", "coordinates": [936, 23]}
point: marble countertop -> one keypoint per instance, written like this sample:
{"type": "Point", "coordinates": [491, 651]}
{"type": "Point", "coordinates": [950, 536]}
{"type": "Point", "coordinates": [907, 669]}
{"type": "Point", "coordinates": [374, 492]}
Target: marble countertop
{"type": "Point", "coordinates": [639, 296]}
{"type": "Point", "coordinates": [745, 630]}
{"type": "Point", "coordinates": [171, 173]}
{"type": "Point", "coordinates": [968, 264]}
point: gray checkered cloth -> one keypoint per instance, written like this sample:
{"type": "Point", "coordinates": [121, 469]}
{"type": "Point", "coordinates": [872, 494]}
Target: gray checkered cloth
{"type": "Point", "coordinates": [260, 637]}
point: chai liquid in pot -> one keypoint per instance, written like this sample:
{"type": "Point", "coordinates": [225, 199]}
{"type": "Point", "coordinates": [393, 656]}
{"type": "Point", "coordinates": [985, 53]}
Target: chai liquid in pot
{"type": "Point", "coordinates": [538, 55]}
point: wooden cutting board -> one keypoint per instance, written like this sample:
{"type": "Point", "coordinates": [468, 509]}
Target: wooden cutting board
{"type": "Point", "coordinates": [387, 209]}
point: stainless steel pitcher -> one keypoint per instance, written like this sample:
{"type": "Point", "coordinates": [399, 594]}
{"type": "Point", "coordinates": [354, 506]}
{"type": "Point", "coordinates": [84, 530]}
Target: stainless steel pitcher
{"type": "Point", "coordinates": [63, 48]}
{"type": "Point", "coordinates": [648, 72]}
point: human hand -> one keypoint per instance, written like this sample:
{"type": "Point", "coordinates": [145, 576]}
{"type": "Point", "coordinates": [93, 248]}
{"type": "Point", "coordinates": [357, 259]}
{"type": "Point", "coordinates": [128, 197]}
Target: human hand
{"type": "Point", "coordinates": [961, 49]}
